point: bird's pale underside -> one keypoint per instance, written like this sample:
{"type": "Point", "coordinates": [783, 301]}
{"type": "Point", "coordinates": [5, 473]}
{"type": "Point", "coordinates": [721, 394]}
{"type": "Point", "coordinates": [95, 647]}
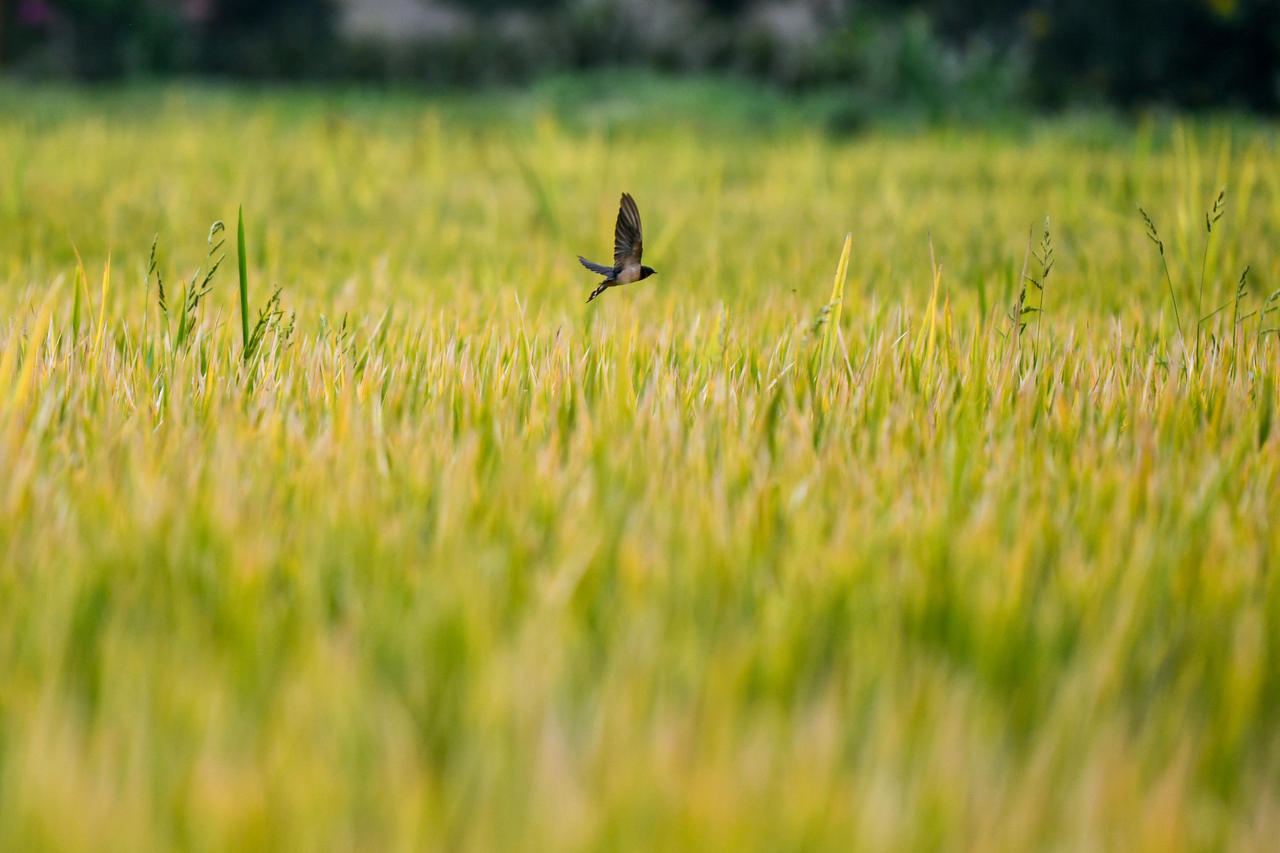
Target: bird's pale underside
{"type": "Point", "coordinates": [628, 247]}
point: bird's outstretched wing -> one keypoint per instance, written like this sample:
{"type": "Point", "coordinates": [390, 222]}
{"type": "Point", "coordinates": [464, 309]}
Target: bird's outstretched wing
{"type": "Point", "coordinates": [628, 242]}
{"type": "Point", "coordinates": [598, 269]}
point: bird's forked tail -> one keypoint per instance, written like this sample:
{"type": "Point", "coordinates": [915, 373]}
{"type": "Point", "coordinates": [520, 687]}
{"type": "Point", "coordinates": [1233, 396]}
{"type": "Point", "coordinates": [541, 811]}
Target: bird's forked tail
{"type": "Point", "coordinates": [601, 289]}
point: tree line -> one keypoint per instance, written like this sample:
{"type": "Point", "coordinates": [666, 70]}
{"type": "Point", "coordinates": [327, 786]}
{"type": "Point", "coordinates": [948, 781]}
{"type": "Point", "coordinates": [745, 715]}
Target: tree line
{"type": "Point", "coordinates": [1186, 53]}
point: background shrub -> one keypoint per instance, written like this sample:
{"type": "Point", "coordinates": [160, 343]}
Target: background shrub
{"type": "Point", "coordinates": [939, 56]}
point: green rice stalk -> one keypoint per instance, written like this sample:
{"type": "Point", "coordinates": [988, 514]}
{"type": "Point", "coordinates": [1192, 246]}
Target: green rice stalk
{"type": "Point", "coordinates": [837, 298]}
{"type": "Point", "coordinates": [244, 286]}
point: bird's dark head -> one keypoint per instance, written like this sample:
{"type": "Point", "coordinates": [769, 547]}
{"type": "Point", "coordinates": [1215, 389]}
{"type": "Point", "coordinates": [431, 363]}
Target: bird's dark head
{"type": "Point", "coordinates": [645, 272]}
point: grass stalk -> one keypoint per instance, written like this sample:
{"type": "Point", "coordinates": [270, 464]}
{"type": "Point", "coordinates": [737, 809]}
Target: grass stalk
{"type": "Point", "coordinates": [242, 258]}
{"type": "Point", "coordinates": [1210, 219]}
{"type": "Point", "coordinates": [836, 301]}
{"type": "Point", "coordinates": [102, 312]}
{"type": "Point", "coordinates": [1154, 236]}
{"type": "Point", "coordinates": [38, 332]}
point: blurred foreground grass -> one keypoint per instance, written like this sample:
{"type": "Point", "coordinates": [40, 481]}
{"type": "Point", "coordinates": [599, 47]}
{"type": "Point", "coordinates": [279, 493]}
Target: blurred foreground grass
{"type": "Point", "coordinates": [457, 563]}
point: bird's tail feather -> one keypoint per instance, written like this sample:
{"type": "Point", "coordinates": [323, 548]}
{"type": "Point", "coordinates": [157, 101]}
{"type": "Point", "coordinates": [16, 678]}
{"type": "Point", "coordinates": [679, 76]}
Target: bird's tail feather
{"type": "Point", "coordinates": [601, 289]}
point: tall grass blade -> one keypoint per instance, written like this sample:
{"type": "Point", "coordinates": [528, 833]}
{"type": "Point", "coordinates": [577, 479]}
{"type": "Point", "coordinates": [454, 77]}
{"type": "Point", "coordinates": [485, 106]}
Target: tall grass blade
{"type": "Point", "coordinates": [924, 348]}
{"type": "Point", "coordinates": [244, 286]}
{"type": "Point", "coordinates": [102, 311]}
{"type": "Point", "coordinates": [38, 332]}
{"type": "Point", "coordinates": [75, 307]}
{"type": "Point", "coordinates": [837, 300]}
{"type": "Point", "coordinates": [82, 279]}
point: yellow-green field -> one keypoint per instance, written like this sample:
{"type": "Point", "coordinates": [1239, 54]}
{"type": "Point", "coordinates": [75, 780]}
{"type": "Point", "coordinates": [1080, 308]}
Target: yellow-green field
{"type": "Point", "coordinates": [456, 562]}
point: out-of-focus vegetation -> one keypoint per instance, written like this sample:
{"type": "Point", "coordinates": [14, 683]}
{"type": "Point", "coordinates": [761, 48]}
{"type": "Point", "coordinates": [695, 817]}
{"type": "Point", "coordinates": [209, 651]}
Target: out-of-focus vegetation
{"type": "Point", "coordinates": [946, 59]}
{"type": "Point", "coordinates": [449, 560]}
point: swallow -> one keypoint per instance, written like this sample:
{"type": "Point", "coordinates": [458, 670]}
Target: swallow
{"type": "Point", "coordinates": [628, 245]}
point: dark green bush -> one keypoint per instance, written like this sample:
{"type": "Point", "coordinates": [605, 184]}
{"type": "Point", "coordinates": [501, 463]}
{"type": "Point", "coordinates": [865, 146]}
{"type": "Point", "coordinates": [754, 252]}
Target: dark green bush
{"type": "Point", "coordinates": [93, 39]}
{"type": "Point", "coordinates": [939, 57]}
{"type": "Point", "coordinates": [270, 38]}
{"type": "Point", "coordinates": [1192, 53]}
{"type": "Point", "coordinates": [1189, 53]}
{"type": "Point", "coordinates": [103, 39]}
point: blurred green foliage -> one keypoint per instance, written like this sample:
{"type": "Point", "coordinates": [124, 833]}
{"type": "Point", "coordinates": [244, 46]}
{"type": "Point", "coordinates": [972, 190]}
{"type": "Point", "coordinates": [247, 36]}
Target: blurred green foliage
{"type": "Point", "coordinates": [1191, 53]}
{"type": "Point", "coordinates": [108, 39]}
{"type": "Point", "coordinates": [949, 58]}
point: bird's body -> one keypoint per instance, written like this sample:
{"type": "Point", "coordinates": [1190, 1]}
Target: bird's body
{"type": "Point", "coordinates": [628, 246]}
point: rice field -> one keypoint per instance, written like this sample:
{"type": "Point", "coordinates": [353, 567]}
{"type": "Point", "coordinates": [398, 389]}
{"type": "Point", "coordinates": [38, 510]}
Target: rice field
{"type": "Point", "coordinates": [748, 556]}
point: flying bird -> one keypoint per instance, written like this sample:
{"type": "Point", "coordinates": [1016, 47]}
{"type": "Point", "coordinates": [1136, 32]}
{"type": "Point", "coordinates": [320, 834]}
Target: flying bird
{"type": "Point", "coordinates": [628, 245]}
